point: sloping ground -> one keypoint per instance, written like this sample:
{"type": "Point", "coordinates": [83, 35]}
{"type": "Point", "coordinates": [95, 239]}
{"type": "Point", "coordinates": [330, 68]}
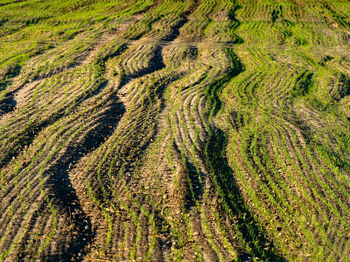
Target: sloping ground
{"type": "Point", "coordinates": [193, 130]}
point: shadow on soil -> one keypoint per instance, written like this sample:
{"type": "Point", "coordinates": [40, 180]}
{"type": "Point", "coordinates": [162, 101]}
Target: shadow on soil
{"type": "Point", "coordinates": [254, 236]}
{"type": "Point", "coordinates": [27, 136]}
{"type": "Point", "coordinates": [64, 195]}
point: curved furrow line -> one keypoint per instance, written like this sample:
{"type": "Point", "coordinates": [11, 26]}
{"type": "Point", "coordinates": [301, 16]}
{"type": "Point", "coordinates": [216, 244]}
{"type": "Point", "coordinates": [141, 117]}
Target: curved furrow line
{"type": "Point", "coordinates": [304, 176]}
{"type": "Point", "coordinates": [288, 153]}
{"type": "Point", "coordinates": [57, 192]}
{"type": "Point", "coordinates": [303, 169]}
{"type": "Point", "coordinates": [273, 192]}
{"type": "Point", "coordinates": [313, 157]}
{"type": "Point", "coordinates": [318, 178]}
{"type": "Point", "coordinates": [38, 120]}
{"type": "Point", "coordinates": [214, 111]}
{"type": "Point", "coordinates": [81, 51]}
{"type": "Point", "coordinates": [275, 91]}
{"type": "Point", "coordinates": [190, 154]}
{"type": "Point", "coordinates": [189, 133]}
{"type": "Point", "coordinates": [35, 230]}
{"type": "Point", "coordinates": [136, 112]}
{"type": "Point", "coordinates": [326, 214]}
{"type": "Point", "coordinates": [77, 95]}
{"type": "Point", "coordinates": [73, 206]}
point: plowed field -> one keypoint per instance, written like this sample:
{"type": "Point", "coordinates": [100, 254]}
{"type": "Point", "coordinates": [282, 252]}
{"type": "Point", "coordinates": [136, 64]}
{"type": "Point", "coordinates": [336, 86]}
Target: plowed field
{"type": "Point", "coordinates": [174, 130]}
